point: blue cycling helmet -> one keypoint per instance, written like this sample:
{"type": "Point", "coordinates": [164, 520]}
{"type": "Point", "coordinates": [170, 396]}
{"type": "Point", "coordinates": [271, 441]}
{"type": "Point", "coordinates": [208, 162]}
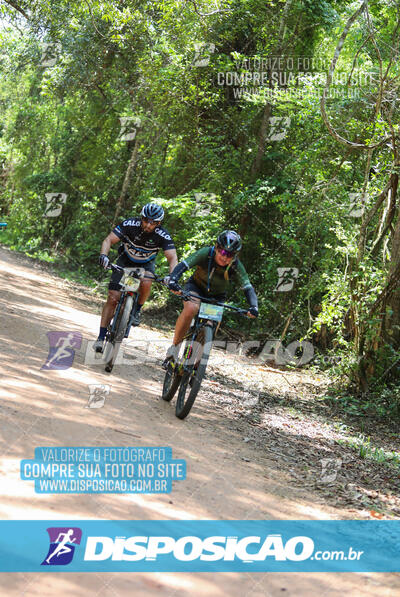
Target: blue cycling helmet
{"type": "Point", "coordinates": [153, 211]}
{"type": "Point", "coordinates": [230, 241]}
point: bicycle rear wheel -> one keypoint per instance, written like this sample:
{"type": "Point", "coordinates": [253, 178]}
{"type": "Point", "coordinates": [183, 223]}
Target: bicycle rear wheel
{"type": "Point", "coordinates": [112, 347]}
{"type": "Point", "coordinates": [194, 374]}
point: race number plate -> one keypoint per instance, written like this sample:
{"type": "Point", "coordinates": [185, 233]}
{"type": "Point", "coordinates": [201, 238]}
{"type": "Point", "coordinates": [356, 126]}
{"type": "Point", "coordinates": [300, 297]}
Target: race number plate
{"type": "Point", "coordinates": [208, 311]}
{"type": "Point", "coordinates": [130, 282]}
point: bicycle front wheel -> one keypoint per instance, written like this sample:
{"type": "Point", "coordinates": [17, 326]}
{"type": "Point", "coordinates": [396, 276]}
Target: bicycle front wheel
{"type": "Point", "coordinates": [113, 346]}
{"type": "Point", "coordinates": [194, 374]}
{"type": "Point", "coordinates": [171, 382]}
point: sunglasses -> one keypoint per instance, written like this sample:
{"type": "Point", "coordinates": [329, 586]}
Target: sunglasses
{"type": "Point", "coordinates": [148, 221]}
{"type": "Point", "coordinates": [225, 253]}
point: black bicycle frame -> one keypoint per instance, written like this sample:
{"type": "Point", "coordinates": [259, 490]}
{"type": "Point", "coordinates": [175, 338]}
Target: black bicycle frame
{"type": "Point", "coordinates": [121, 301]}
{"type": "Point", "coordinates": [131, 293]}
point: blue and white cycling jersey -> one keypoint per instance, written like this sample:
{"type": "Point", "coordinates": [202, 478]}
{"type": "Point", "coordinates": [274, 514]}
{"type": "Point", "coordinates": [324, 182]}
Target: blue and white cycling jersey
{"type": "Point", "coordinates": [146, 244]}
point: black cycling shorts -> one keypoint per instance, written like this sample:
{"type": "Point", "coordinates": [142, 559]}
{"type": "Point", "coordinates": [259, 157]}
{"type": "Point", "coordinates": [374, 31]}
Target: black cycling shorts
{"type": "Point", "coordinates": [124, 261]}
{"type": "Point", "coordinates": [191, 286]}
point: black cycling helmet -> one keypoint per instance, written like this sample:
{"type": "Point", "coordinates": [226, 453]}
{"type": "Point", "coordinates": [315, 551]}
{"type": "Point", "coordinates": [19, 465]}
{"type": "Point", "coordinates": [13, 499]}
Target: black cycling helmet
{"type": "Point", "coordinates": [153, 211]}
{"type": "Point", "coordinates": [230, 241]}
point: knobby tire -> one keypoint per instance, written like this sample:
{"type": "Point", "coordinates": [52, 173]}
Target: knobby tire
{"type": "Point", "coordinates": [187, 394]}
{"type": "Point", "coordinates": [119, 333]}
{"type": "Point", "coordinates": [171, 383]}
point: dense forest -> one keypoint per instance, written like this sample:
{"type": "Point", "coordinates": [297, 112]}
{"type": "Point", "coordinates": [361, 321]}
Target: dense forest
{"type": "Point", "coordinates": [278, 119]}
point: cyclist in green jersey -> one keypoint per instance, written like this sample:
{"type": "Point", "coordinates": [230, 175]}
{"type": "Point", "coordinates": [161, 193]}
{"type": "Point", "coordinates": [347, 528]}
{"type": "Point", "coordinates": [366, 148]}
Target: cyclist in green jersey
{"type": "Point", "coordinates": [216, 268]}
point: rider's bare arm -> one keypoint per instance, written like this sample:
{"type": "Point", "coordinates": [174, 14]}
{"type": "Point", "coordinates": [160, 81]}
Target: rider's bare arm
{"type": "Point", "coordinates": [172, 258]}
{"type": "Point", "coordinates": [111, 239]}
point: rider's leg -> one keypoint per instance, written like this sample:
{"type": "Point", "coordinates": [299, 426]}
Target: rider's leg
{"type": "Point", "coordinates": [144, 292]}
{"type": "Point", "coordinates": [182, 325]}
{"type": "Point", "coordinates": [114, 292]}
{"type": "Point", "coordinates": [145, 285]}
{"type": "Point", "coordinates": [109, 307]}
{"type": "Point", "coordinates": [106, 316]}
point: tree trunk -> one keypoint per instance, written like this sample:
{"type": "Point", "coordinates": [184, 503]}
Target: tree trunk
{"type": "Point", "coordinates": [127, 180]}
{"type": "Point", "coordinates": [393, 321]}
{"type": "Point", "coordinates": [262, 136]}
{"type": "Point", "coordinates": [18, 8]}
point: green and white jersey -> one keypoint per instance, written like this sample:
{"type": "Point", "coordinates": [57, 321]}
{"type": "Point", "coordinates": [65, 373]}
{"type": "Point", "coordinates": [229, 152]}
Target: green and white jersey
{"type": "Point", "coordinates": [214, 279]}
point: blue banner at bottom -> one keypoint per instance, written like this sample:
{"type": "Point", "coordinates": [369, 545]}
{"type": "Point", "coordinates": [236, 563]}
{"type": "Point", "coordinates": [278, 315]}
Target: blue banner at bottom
{"type": "Point", "coordinates": [199, 546]}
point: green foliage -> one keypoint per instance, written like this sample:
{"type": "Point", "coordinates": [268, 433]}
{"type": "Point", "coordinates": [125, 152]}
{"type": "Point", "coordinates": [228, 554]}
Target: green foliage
{"type": "Point", "coordinates": [367, 451]}
{"type": "Point", "coordinates": [290, 202]}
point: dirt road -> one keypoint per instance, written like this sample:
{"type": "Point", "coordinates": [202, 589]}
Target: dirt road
{"type": "Point", "coordinates": [228, 475]}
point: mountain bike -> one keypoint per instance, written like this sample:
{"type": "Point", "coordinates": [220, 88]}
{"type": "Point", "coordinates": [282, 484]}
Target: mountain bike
{"type": "Point", "coordinates": [187, 372]}
{"type": "Point", "coordinates": [121, 323]}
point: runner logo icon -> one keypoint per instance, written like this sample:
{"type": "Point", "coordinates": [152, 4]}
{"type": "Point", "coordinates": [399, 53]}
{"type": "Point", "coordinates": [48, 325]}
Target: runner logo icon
{"type": "Point", "coordinates": [62, 545]}
{"type": "Point", "coordinates": [62, 347]}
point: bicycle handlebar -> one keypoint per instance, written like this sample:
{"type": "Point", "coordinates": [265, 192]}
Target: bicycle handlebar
{"type": "Point", "coordinates": [187, 296]}
{"type": "Point", "coordinates": [118, 268]}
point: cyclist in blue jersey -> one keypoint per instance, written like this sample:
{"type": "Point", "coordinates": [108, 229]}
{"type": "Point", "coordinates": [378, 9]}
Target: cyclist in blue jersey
{"type": "Point", "coordinates": [148, 237]}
